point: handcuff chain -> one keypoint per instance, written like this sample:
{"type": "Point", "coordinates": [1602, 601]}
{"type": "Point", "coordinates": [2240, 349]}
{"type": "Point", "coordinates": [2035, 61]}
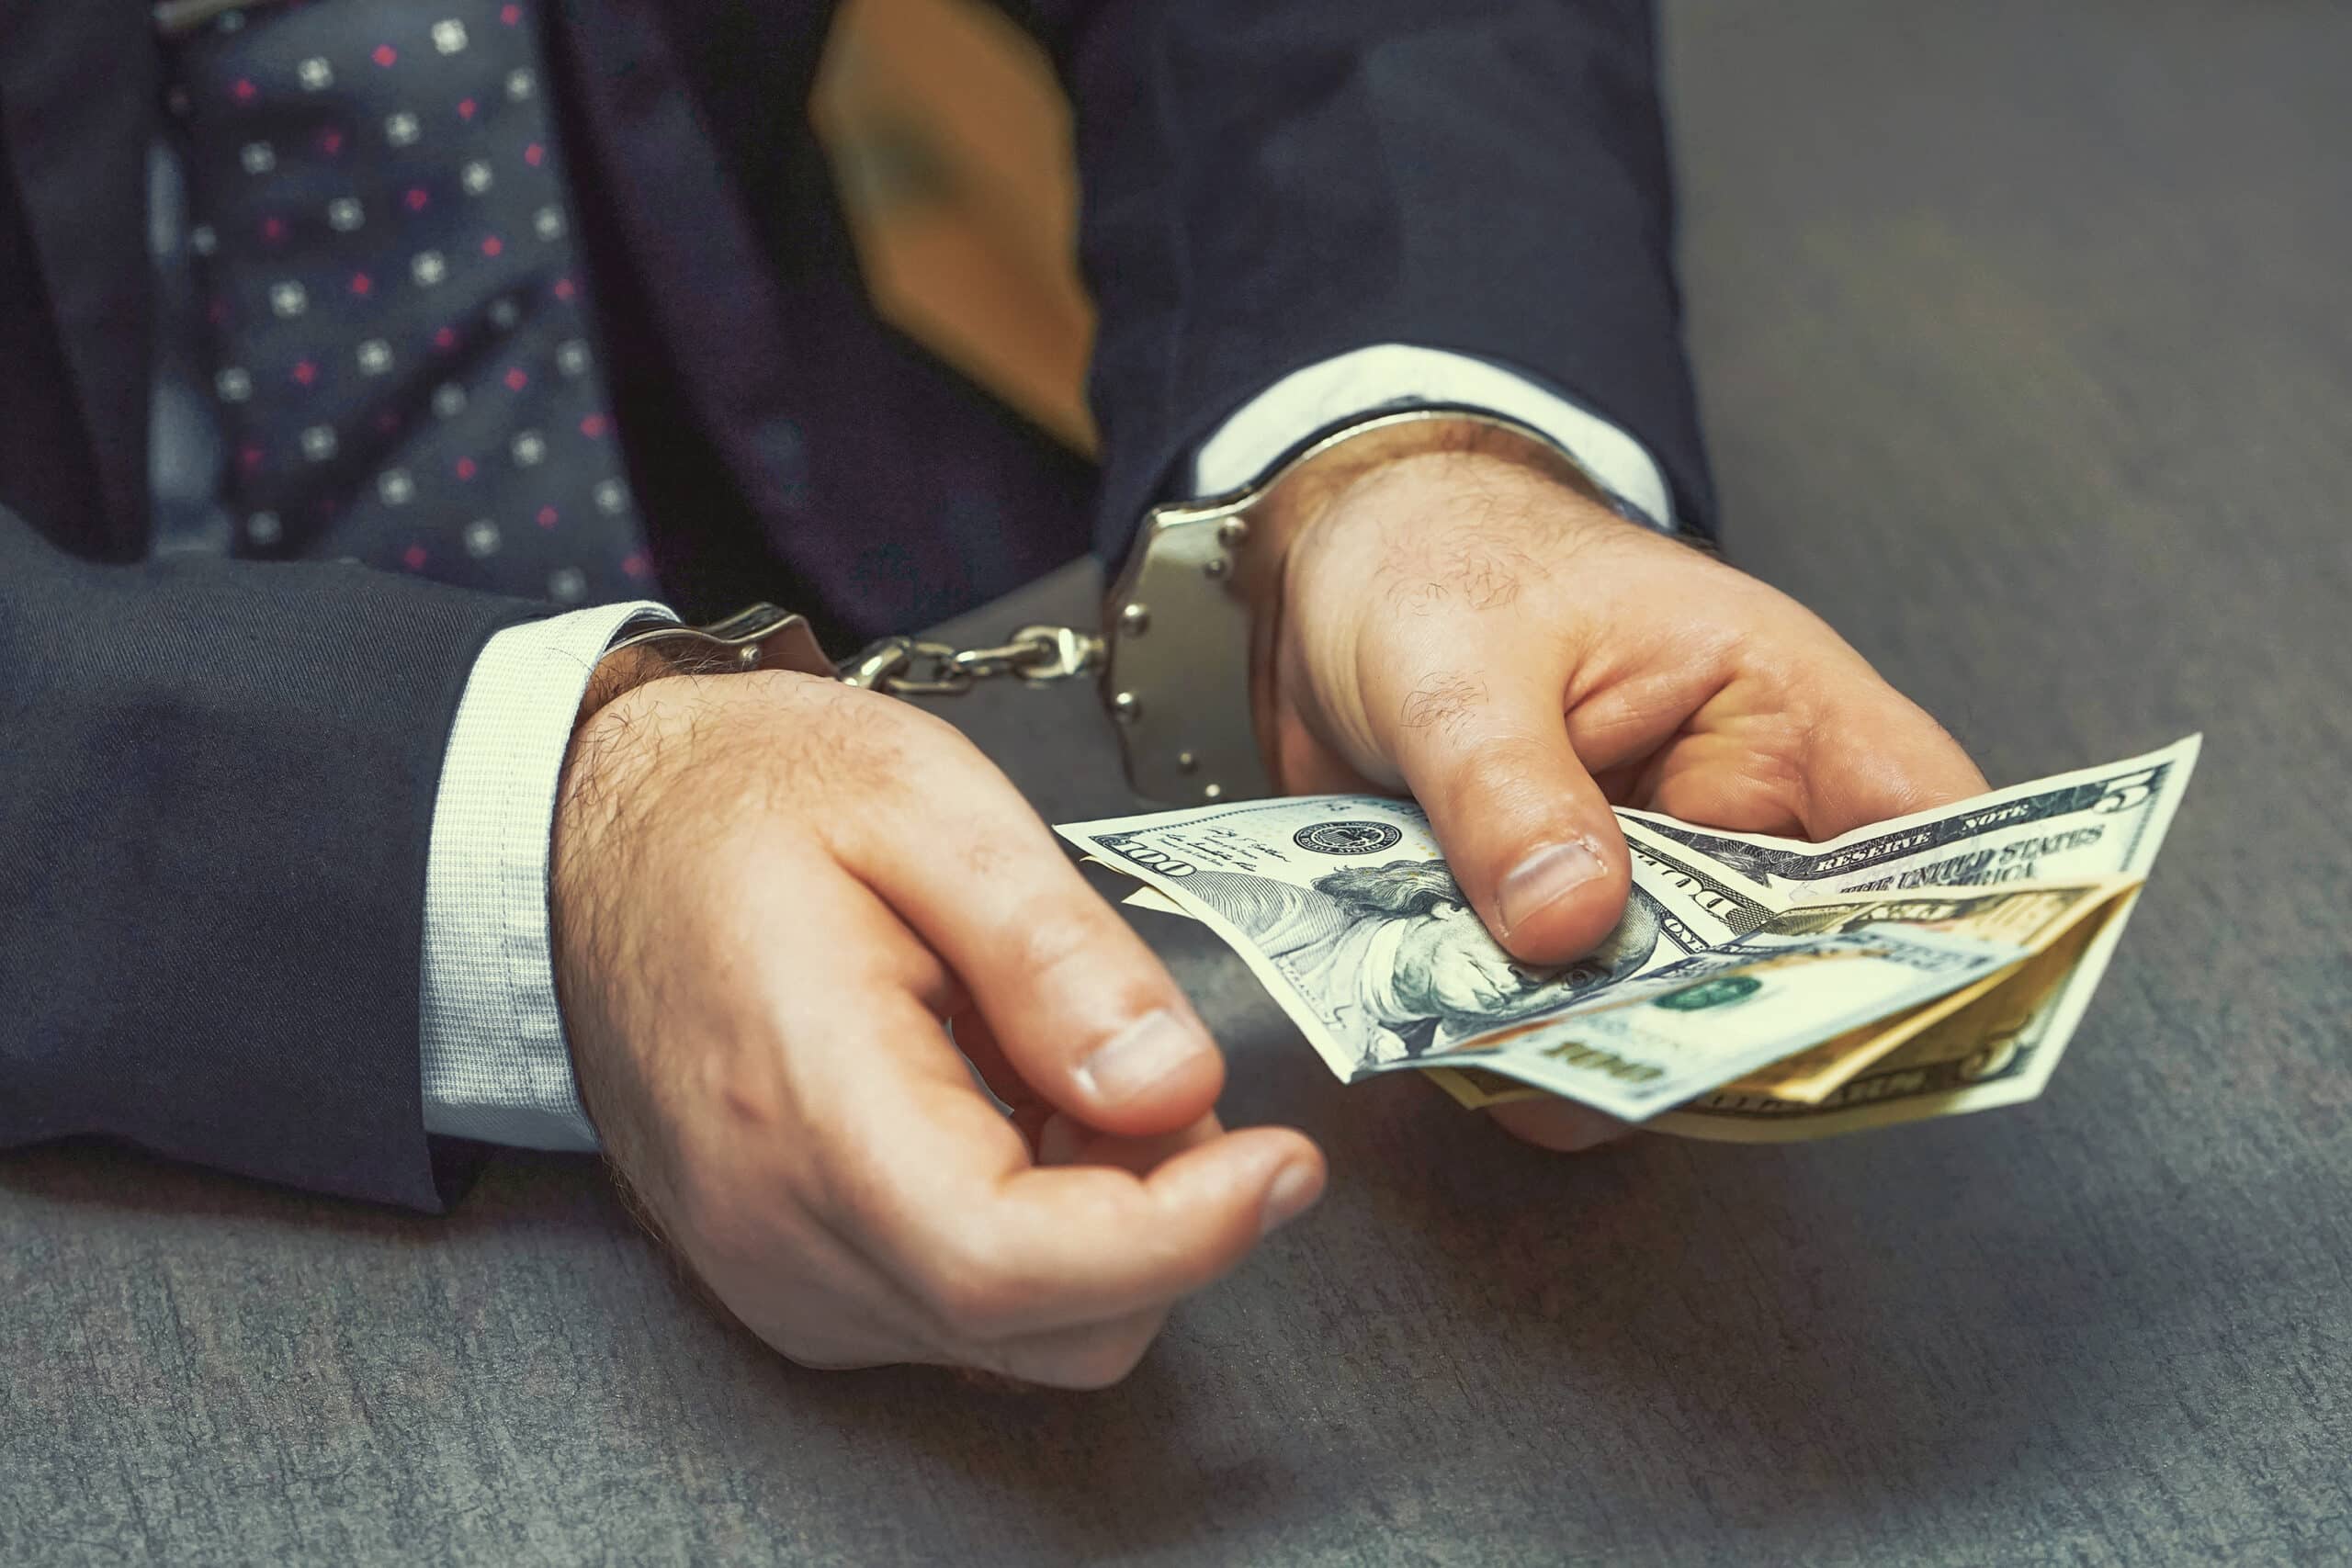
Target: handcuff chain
{"type": "Point", "coordinates": [916, 666]}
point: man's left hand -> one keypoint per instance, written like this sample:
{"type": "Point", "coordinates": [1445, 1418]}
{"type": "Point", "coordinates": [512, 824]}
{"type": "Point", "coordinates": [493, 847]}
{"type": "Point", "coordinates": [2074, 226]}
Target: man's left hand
{"type": "Point", "coordinates": [1459, 626]}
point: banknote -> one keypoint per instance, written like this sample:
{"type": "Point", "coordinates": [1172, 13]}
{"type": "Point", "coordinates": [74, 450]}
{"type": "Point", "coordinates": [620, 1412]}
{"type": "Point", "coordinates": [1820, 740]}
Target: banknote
{"type": "Point", "coordinates": [1636, 1048]}
{"type": "Point", "coordinates": [1846, 984]}
{"type": "Point", "coordinates": [2037, 916]}
{"type": "Point", "coordinates": [2098, 821]}
{"type": "Point", "coordinates": [1345, 911]}
{"type": "Point", "coordinates": [2092, 822]}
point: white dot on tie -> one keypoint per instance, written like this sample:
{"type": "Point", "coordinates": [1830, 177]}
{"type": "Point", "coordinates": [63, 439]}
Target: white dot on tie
{"type": "Point", "coordinates": [229, 22]}
{"type": "Point", "coordinates": [315, 75]}
{"type": "Point", "coordinates": [566, 584]}
{"type": "Point", "coordinates": [571, 356]}
{"type": "Point", "coordinates": [449, 37]}
{"type": "Point", "coordinates": [289, 300]}
{"type": "Point", "coordinates": [475, 177]}
{"type": "Point", "coordinates": [375, 356]}
{"type": "Point", "coordinates": [528, 448]}
{"type": "Point", "coordinates": [548, 222]}
{"type": "Point", "coordinates": [481, 537]}
{"type": "Point", "coordinates": [258, 157]}
{"type": "Point", "coordinates": [449, 399]}
{"type": "Point", "coordinates": [428, 268]}
{"type": "Point", "coordinates": [317, 442]}
{"type": "Point", "coordinates": [233, 385]}
{"type": "Point", "coordinates": [399, 130]}
{"type": "Point", "coordinates": [610, 497]}
{"type": "Point", "coordinates": [343, 215]}
{"type": "Point", "coordinates": [519, 84]}
{"type": "Point", "coordinates": [203, 239]}
{"type": "Point", "coordinates": [395, 487]}
{"type": "Point", "coordinates": [504, 313]}
{"type": "Point", "coordinates": [263, 528]}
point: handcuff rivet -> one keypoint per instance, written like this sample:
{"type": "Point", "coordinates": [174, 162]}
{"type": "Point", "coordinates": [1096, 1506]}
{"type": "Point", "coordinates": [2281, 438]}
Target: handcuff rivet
{"type": "Point", "coordinates": [1213, 792]}
{"type": "Point", "coordinates": [1135, 619]}
{"type": "Point", "coordinates": [1215, 565]}
{"type": "Point", "coordinates": [1186, 761]}
{"type": "Point", "coordinates": [1233, 533]}
{"type": "Point", "coordinates": [1126, 707]}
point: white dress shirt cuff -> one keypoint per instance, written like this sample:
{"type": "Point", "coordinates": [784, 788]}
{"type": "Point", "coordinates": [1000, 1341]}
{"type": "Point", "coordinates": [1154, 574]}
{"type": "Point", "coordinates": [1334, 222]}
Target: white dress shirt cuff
{"type": "Point", "coordinates": [497, 1068]}
{"type": "Point", "coordinates": [1396, 376]}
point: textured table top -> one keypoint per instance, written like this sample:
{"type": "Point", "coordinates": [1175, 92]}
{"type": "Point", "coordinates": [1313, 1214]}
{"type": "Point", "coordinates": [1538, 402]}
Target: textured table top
{"type": "Point", "coordinates": [2026, 334]}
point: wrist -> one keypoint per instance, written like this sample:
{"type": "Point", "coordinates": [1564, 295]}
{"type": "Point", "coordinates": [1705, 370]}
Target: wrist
{"type": "Point", "coordinates": [1450, 457]}
{"type": "Point", "coordinates": [619, 671]}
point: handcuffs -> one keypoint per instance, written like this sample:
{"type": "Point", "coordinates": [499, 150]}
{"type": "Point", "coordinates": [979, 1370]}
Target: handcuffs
{"type": "Point", "coordinates": [1174, 651]}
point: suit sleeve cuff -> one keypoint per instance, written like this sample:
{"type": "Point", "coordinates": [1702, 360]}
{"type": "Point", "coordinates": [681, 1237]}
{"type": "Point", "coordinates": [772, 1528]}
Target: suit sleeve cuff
{"type": "Point", "coordinates": [1391, 376]}
{"type": "Point", "coordinates": [497, 1068]}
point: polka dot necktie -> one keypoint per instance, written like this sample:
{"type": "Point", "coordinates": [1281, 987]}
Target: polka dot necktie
{"type": "Point", "coordinates": [401, 343]}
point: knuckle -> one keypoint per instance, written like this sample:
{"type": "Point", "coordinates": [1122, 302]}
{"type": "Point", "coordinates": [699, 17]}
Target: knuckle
{"type": "Point", "coordinates": [1049, 935]}
{"type": "Point", "coordinates": [1443, 703]}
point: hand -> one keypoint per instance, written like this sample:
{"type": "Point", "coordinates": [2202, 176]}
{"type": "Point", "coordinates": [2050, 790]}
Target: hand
{"type": "Point", "coordinates": [769, 891]}
{"type": "Point", "coordinates": [1458, 625]}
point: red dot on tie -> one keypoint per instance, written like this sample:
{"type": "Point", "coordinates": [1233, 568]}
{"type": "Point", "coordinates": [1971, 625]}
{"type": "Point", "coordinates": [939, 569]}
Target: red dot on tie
{"type": "Point", "coordinates": [217, 311]}
{"type": "Point", "coordinates": [465, 468]}
{"type": "Point", "coordinates": [534, 155]}
{"type": "Point", "coordinates": [306, 372]}
{"type": "Point", "coordinates": [592, 427]}
{"type": "Point", "coordinates": [250, 456]}
{"type": "Point", "coordinates": [547, 517]}
{"type": "Point", "coordinates": [510, 15]}
{"type": "Point", "coordinates": [516, 380]}
{"type": "Point", "coordinates": [331, 141]}
{"type": "Point", "coordinates": [446, 339]}
{"type": "Point", "coordinates": [415, 199]}
{"type": "Point", "coordinates": [272, 228]}
{"type": "Point", "coordinates": [361, 283]}
{"type": "Point", "coordinates": [243, 91]}
{"type": "Point", "coordinates": [563, 289]}
{"type": "Point", "coordinates": [466, 107]}
{"type": "Point", "coordinates": [634, 566]}
{"type": "Point", "coordinates": [492, 245]}
{"type": "Point", "coordinates": [385, 54]}
{"type": "Point", "coordinates": [413, 557]}
{"type": "Point", "coordinates": [387, 421]}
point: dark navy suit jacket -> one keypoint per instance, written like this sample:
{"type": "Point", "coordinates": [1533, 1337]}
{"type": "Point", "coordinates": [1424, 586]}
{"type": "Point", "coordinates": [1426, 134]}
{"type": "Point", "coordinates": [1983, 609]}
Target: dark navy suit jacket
{"type": "Point", "coordinates": [216, 778]}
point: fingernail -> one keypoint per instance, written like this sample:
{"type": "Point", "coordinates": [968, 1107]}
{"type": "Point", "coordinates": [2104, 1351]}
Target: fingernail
{"type": "Point", "coordinates": [1543, 879]}
{"type": "Point", "coordinates": [1293, 1193]}
{"type": "Point", "coordinates": [1153, 1047]}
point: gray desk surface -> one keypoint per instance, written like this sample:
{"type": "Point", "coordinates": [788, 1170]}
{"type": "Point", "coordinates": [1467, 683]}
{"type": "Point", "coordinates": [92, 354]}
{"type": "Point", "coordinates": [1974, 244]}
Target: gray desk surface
{"type": "Point", "coordinates": [2026, 337]}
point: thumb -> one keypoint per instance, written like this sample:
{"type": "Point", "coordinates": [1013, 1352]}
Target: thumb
{"type": "Point", "coordinates": [1528, 834]}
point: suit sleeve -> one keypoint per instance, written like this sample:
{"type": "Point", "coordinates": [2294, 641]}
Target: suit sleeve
{"type": "Point", "coordinates": [217, 783]}
{"type": "Point", "coordinates": [1269, 184]}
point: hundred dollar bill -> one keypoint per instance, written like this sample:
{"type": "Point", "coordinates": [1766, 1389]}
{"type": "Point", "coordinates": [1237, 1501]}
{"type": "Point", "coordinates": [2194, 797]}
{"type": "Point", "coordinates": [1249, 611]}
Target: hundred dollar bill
{"type": "Point", "coordinates": [1342, 907]}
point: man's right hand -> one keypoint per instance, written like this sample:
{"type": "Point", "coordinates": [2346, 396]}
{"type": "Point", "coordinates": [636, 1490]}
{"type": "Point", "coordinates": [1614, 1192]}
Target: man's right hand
{"type": "Point", "coordinates": [768, 892]}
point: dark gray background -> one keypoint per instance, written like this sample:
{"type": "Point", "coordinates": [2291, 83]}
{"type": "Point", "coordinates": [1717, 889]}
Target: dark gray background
{"type": "Point", "coordinates": [2026, 332]}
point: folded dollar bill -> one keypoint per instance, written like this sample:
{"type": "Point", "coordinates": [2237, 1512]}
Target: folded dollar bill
{"type": "Point", "coordinates": [1757, 988]}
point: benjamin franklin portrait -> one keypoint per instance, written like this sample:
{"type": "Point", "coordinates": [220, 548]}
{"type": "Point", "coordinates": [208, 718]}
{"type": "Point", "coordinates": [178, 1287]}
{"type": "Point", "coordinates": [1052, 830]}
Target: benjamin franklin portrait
{"type": "Point", "coordinates": [1394, 956]}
